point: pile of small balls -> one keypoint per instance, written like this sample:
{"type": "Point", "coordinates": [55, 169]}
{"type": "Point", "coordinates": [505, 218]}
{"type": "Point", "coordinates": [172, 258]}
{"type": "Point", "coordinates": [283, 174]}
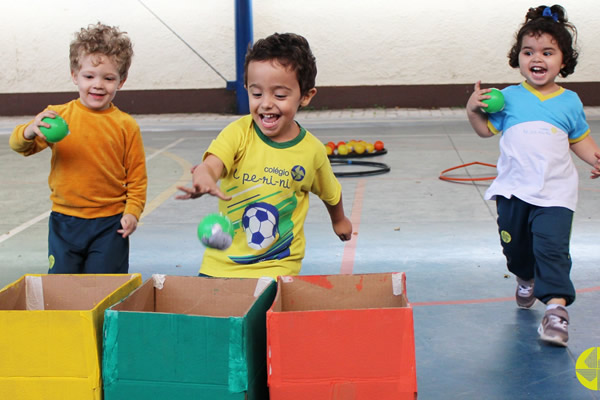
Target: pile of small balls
{"type": "Point", "coordinates": [353, 146]}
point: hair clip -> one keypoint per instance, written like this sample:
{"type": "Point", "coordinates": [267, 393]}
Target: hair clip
{"type": "Point", "coordinates": [549, 14]}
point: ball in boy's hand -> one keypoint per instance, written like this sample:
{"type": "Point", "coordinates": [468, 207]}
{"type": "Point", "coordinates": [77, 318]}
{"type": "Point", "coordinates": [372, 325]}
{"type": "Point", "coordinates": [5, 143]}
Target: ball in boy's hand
{"type": "Point", "coordinates": [57, 131]}
{"type": "Point", "coordinates": [495, 103]}
{"type": "Point", "coordinates": [216, 231]}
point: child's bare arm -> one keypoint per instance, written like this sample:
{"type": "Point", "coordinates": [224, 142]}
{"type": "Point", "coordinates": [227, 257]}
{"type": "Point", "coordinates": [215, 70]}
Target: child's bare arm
{"type": "Point", "coordinates": [204, 180]}
{"type": "Point", "coordinates": [588, 151]}
{"type": "Point", "coordinates": [478, 118]}
{"type": "Point", "coordinates": [342, 226]}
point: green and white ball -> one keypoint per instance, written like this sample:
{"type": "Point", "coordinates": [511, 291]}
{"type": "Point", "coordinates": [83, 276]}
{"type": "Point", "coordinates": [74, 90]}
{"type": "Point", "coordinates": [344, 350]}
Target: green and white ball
{"type": "Point", "coordinates": [216, 231]}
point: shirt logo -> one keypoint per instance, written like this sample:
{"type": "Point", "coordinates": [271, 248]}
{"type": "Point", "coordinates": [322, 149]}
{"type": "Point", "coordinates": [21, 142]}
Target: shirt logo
{"type": "Point", "coordinates": [298, 173]}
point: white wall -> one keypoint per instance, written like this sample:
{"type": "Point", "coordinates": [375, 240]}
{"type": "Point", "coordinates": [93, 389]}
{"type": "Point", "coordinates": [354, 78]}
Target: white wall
{"type": "Point", "coordinates": [356, 42]}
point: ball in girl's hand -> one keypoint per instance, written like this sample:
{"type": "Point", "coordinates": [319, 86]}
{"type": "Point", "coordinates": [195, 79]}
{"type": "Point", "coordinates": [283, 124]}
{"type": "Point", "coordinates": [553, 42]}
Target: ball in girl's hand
{"type": "Point", "coordinates": [495, 103]}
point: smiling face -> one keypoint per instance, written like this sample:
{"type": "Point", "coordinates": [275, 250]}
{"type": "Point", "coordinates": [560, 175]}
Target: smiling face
{"type": "Point", "coordinates": [98, 80]}
{"type": "Point", "coordinates": [274, 96]}
{"type": "Point", "coordinates": [540, 62]}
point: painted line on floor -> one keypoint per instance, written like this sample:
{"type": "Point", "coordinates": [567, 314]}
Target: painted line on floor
{"type": "Point", "coordinates": [350, 247]}
{"type": "Point", "coordinates": [167, 147]}
{"type": "Point", "coordinates": [482, 301]}
{"type": "Point", "coordinates": [151, 205]}
{"type": "Point", "coordinates": [23, 226]}
{"type": "Point", "coordinates": [184, 179]}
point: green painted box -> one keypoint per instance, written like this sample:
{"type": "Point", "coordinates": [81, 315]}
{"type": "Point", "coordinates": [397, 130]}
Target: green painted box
{"type": "Point", "coordinates": [186, 337]}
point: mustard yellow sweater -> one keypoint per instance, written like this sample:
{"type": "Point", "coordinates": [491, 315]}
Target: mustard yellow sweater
{"type": "Point", "coordinates": [99, 169]}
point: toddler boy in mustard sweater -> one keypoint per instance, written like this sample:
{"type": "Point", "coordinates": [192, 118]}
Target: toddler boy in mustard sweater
{"type": "Point", "coordinates": [98, 172]}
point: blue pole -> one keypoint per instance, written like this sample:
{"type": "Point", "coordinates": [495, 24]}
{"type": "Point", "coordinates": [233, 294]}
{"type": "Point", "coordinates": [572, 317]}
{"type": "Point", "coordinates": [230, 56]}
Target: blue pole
{"type": "Point", "coordinates": [243, 39]}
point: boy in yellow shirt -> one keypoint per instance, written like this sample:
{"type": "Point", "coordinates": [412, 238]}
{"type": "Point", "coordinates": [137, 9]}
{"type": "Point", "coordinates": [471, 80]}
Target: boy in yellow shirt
{"type": "Point", "coordinates": [98, 172]}
{"type": "Point", "coordinates": [268, 165]}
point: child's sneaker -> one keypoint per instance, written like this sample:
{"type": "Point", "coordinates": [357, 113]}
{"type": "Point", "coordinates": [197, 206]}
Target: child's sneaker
{"type": "Point", "coordinates": [524, 294]}
{"type": "Point", "coordinates": [554, 326]}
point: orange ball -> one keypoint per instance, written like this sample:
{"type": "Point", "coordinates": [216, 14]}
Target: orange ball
{"type": "Point", "coordinates": [378, 145]}
{"type": "Point", "coordinates": [333, 145]}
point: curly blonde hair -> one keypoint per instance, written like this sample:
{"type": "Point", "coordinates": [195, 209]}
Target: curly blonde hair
{"type": "Point", "coordinates": [102, 40]}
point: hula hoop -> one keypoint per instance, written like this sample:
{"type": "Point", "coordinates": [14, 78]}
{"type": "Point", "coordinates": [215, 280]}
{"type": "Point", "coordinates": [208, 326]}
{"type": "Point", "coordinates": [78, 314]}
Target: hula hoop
{"type": "Point", "coordinates": [378, 168]}
{"type": "Point", "coordinates": [486, 178]}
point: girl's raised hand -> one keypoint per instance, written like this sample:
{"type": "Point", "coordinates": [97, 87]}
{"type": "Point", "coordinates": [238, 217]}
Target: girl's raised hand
{"type": "Point", "coordinates": [474, 103]}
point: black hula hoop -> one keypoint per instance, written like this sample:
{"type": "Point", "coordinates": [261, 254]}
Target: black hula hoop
{"type": "Point", "coordinates": [376, 167]}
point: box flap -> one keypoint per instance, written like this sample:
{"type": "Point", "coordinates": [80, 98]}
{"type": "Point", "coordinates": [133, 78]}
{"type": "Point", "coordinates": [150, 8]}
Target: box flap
{"type": "Point", "coordinates": [193, 295]}
{"type": "Point", "coordinates": [340, 292]}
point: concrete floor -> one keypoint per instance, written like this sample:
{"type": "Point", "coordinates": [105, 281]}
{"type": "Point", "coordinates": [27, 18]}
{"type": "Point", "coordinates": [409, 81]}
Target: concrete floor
{"type": "Point", "coordinates": [471, 340]}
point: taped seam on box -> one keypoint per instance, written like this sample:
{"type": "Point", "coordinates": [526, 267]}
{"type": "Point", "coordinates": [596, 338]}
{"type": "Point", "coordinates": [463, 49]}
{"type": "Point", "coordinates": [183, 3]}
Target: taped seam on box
{"type": "Point", "coordinates": [34, 293]}
{"type": "Point", "coordinates": [159, 280]}
{"type": "Point", "coordinates": [110, 356]}
{"type": "Point", "coordinates": [238, 368]}
{"type": "Point", "coordinates": [262, 284]}
{"type": "Point", "coordinates": [398, 283]}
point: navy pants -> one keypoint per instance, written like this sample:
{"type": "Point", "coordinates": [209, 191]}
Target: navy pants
{"type": "Point", "coordinates": [535, 241]}
{"type": "Point", "coordinates": [86, 246]}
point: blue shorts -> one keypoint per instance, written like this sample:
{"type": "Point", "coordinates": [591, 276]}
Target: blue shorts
{"type": "Point", "coordinates": [86, 246]}
{"type": "Point", "coordinates": [535, 241]}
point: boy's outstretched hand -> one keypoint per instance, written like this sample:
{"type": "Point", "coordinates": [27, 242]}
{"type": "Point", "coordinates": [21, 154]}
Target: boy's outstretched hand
{"type": "Point", "coordinates": [199, 190]}
{"type": "Point", "coordinates": [204, 180]}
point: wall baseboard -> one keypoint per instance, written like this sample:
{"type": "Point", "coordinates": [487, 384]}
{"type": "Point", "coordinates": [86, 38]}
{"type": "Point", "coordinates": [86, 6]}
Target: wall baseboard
{"type": "Point", "coordinates": [222, 101]}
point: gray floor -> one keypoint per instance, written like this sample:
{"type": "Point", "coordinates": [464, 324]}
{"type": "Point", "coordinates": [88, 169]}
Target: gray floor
{"type": "Point", "coordinates": [471, 340]}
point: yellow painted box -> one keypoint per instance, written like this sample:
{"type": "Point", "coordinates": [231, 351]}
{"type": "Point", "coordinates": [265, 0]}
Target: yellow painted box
{"type": "Point", "coordinates": [51, 334]}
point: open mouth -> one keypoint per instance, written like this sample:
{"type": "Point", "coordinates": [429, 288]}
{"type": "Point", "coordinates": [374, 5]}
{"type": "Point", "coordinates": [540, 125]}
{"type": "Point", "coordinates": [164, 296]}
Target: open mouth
{"type": "Point", "coordinates": [538, 71]}
{"type": "Point", "coordinates": [269, 120]}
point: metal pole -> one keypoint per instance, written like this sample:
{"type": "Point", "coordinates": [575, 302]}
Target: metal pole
{"type": "Point", "coordinates": [243, 39]}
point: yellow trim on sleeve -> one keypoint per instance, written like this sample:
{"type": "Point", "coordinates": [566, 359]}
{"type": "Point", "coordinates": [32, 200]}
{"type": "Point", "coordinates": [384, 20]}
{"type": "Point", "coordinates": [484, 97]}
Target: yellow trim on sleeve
{"type": "Point", "coordinates": [580, 138]}
{"type": "Point", "coordinates": [492, 128]}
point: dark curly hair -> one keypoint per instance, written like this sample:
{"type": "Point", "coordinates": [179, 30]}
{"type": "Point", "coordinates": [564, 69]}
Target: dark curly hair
{"type": "Point", "coordinates": [291, 51]}
{"type": "Point", "coordinates": [554, 23]}
{"type": "Point", "coordinates": [105, 40]}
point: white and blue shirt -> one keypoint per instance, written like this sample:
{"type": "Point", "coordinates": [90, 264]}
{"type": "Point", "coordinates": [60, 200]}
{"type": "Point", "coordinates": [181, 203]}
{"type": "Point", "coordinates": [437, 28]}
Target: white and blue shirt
{"type": "Point", "coordinates": [537, 130]}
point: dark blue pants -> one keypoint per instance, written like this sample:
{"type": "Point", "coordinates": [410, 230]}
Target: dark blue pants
{"type": "Point", "coordinates": [86, 246]}
{"type": "Point", "coordinates": [535, 241]}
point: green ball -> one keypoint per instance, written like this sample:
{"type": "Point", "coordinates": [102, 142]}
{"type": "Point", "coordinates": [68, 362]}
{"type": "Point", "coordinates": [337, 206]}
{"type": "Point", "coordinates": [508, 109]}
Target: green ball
{"type": "Point", "coordinates": [216, 231]}
{"type": "Point", "coordinates": [495, 103]}
{"type": "Point", "coordinates": [57, 131]}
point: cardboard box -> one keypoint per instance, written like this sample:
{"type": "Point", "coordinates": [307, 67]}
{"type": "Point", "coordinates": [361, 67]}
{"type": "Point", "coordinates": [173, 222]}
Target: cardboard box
{"type": "Point", "coordinates": [51, 334]}
{"type": "Point", "coordinates": [186, 337]}
{"type": "Point", "coordinates": [339, 337]}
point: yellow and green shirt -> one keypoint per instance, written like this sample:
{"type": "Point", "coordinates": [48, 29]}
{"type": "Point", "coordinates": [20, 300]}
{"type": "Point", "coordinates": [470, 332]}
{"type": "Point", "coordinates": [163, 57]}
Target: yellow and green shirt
{"type": "Point", "coordinates": [270, 184]}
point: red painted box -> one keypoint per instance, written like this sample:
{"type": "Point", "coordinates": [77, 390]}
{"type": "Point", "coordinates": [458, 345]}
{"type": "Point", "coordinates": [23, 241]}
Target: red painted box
{"type": "Point", "coordinates": [334, 337]}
